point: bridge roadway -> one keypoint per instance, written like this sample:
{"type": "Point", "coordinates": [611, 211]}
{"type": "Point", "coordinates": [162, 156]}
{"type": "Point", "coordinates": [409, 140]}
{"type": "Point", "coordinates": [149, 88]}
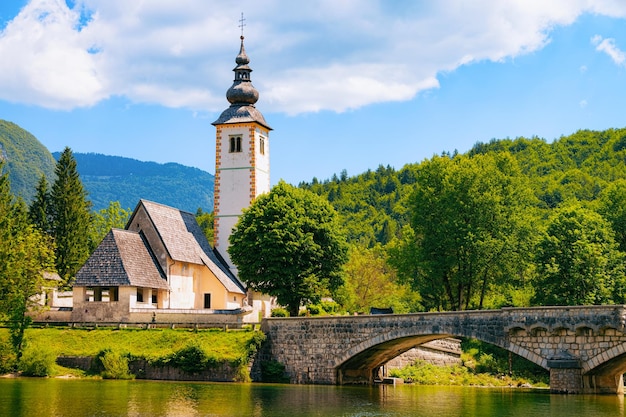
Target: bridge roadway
{"type": "Point", "coordinates": [583, 347]}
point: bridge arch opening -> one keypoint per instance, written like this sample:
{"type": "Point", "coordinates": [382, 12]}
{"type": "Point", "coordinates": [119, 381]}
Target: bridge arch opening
{"type": "Point", "coordinates": [364, 364]}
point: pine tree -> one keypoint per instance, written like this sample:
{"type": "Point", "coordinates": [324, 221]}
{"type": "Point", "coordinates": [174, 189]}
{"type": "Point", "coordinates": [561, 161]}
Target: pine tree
{"type": "Point", "coordinates": [71, 218]}
{"type": "Point", "coordinates": [39, 210]}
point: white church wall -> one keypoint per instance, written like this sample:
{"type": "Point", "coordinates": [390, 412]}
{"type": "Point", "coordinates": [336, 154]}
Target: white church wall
{"type": "Point", "coordinates": [181, 292]}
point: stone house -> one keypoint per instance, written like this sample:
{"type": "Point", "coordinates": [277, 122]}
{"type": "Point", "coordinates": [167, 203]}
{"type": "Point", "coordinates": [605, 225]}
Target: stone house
{"type": "Point", "coordinates": [159, 266]}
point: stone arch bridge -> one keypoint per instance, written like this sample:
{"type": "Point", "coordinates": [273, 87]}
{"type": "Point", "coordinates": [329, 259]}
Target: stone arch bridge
{"type": "Point", "coordinates": [583, 347]}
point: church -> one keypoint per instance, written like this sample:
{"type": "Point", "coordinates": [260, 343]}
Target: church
{"type": "Point", "coordinates": [161, 267]}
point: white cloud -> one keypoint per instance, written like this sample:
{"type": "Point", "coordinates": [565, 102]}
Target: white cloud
{"type": "Point", "coordinates": [608, 47]}
{"type": "Point", "coordinates": [307, 56]}
{"type": "Point", "coordinates": [45, 61]}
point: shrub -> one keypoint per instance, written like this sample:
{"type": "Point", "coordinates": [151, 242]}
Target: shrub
{"type": "Point", "coordinates": [7, 357]}
{"type": "Point", "coordinates": [314, 309]}
{"type": "Point", "coordinates": [37, 362]}
{"type": "Point", "coordinates": [191, 359]}
{"type": "Point", "coordinates": [113, 365]}
{"type": "Point", "coordinates": [280, 312]}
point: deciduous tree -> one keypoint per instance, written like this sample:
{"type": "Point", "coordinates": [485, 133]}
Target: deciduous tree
{"type": "Point", "coordinates": [613, 209]}
{"type": "Point", "coordinates": [577, 260]}
{"type": "Point", "coordinates": [25, 253]}
{"type": "Point", "coordinates": [371, 282]}
{"type": "Point", "coordinates": [469, 228]}
{"type": "Point", "coordinates": [289, 244]}
{"type": "Point", "coordinates": [114, 216]}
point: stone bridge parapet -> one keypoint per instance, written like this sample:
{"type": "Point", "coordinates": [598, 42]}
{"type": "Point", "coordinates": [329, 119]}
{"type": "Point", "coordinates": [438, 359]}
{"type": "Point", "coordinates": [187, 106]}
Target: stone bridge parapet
{"type": "Point", "coordinates": [584, 347]}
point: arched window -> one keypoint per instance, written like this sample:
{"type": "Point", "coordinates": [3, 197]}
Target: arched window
{"type": "Point", "coordinates": [235, 144]}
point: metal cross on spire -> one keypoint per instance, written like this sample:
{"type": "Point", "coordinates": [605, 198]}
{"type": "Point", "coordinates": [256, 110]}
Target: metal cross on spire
{"type": "Point", "coordinates": [242, 24]}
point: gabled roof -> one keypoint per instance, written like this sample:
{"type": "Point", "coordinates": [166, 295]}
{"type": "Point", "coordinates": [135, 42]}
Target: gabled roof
{"type": "Point", "coordinates": [122, 258]}
{"type": "Point", "coordinates": [185, 242]}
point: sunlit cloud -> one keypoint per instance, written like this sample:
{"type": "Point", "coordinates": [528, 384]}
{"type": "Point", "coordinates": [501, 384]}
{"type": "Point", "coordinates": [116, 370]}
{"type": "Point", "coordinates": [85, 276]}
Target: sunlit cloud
{"type": "Point", "coordinates": [312, 56]}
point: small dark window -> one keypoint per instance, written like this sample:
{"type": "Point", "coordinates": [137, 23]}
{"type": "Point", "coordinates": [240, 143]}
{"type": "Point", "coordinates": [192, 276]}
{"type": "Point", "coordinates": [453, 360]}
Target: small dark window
{"type": "Point", "coordinates": [140, 295]}
{"type": "Point", "coordinates": [235, 144]}
{"type": "Point", "coordinates": [154, 297]}
{"type": "Point", "coordinates": [207, 300]}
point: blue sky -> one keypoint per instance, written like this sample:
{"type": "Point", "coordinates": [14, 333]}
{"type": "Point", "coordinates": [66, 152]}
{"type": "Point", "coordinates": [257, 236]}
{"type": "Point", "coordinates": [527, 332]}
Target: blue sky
{"type": "Point", "coordinates": [348, 84]}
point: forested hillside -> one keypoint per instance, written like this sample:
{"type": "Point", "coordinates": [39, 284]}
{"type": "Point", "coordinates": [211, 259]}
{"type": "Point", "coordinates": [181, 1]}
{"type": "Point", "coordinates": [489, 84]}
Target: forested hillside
{"type": "Point", "coordinates": [27, 159]}
{"type": "Point", "coordinates": [511, 222]}
{"type": "Point", "coordinates": [114, 178]}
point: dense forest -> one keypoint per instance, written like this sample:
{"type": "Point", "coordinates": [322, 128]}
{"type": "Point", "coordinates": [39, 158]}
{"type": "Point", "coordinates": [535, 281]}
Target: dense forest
{"type": "Point", "coordinates": [106, 178]}
{"type": "Point", "coordinates": [26, 159]}
{"type": "Point", "coordinates": [512, 222]}
{"type": "Point", "coordinates": [115, 178]}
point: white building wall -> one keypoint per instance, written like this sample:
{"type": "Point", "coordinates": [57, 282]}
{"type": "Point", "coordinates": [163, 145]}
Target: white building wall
{"type": "Point", "coordinates": [240, 177]}
{"type": "Point", "coordinates": [181, 292]}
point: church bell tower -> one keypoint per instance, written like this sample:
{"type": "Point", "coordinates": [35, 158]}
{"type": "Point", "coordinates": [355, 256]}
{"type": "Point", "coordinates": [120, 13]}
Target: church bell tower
{"type": "Point", "coordinates": [242, 159]}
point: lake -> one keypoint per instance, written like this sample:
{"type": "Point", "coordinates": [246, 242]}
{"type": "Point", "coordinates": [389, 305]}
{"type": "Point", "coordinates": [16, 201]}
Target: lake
{"type": "Point", "coordinates": [34, 397]}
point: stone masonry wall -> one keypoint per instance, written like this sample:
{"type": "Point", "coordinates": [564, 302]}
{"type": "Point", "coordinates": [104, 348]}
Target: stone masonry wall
{"type": "Point", "coordinates": [441, 352]}
{"type": "Point", "coordinates": [323, 350]}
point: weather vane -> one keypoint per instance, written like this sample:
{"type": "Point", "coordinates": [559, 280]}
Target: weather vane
{"type": "Point", "coordinates": [242, 24]}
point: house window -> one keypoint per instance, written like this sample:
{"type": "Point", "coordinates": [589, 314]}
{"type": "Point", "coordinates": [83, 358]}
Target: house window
{"type": "Point", "coordinates": [207, 300]}
{"type": "Point", "coordinates": [262, 145]}
{"type": "Point", "coordinates": [102, 294]}
{"type": "Point", "coordinates": [140, 295]}
{"type": "Point", "coordinates": [154, 297]}
{"type": "Point", "coordinates": [235, 144]}
{"type": "Point", "coordinates": [114, 294]}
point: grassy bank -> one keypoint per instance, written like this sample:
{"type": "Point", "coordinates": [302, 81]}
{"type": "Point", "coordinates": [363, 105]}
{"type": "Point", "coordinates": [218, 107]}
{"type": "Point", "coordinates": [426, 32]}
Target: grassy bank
{"type": "Point", "coordinates": [423, 373]}
{"type": "Point", "coordinates": [183, 347]}
{"type": "Point", "coordinates": [481, 364]}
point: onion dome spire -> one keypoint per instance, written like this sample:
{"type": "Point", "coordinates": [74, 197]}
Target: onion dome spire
{"type": "Point", "coordinates": [242, 95]}
{"type": "Point", "coordinates": [242, 91]}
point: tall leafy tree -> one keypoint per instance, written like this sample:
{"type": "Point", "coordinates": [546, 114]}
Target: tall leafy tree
{"type": "Point", "coordinates": [289, 244]}
{"type": "Point", "coordinates": [613, 208]}
{"type": "Point", "coordinates": [469, 226]}
{"type": "Point", "coordinates": [71, 218]}
{"type": "Point", "coordinates": [114, 216]}
{"type": "Point", "coordinates": [25, 253]}
{"type": "Point", "coordinates": [371, 282]}
{"type": "Point", "coordinates": [205, 221]}
{"type": "Point", "coordinates": [577, 260]}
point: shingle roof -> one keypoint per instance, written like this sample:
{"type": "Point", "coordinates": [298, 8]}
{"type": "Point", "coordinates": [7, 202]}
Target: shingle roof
{"type": "Point", "coordinates": [122, 258]}
{"type": "Point", "coordinates": [185, 242]}
{"type": "Point", "coordinates": [241, 114]}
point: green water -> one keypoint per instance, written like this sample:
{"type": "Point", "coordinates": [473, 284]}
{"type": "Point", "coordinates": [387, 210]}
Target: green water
{"type": "Point", "coordinates": [78, 398]}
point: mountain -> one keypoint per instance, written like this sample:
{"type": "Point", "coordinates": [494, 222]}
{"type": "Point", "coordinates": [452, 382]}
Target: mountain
{"type": "Point", "coordinates": [115, 178]}
{"type": "Point", "coordinates": [27, 159]}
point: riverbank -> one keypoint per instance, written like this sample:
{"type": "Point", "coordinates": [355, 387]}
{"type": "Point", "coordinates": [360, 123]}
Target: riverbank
{"type": "Point", "coordinates": [210, 355]}
{"type": "Point", "coordinates": [111, 353]}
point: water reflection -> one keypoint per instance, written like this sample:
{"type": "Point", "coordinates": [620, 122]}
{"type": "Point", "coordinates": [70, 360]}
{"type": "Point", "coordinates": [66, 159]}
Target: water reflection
{"type": "Point", "coordinates": [80, 398]}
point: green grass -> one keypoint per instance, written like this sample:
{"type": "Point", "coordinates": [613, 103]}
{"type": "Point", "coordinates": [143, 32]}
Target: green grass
{"type": "Point", "coordinates": [423, 373]}
{"type": "Point", "coordinates": [153, 345]}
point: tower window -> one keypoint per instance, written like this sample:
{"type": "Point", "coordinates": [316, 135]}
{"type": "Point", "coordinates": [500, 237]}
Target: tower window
{"type": "Point", "coordinates": [262, 145]}
{"type": "Point", "coordinates": [235, 144]}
